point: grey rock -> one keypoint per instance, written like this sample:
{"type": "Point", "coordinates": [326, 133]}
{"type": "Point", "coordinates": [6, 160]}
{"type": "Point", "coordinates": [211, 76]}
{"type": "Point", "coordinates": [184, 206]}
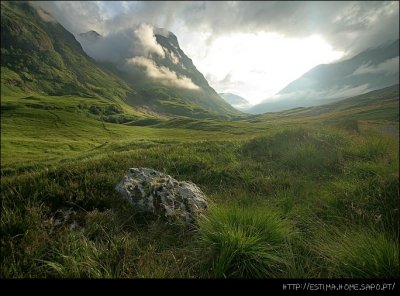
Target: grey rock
{"type": "Point", "coordinates": [149, 190]}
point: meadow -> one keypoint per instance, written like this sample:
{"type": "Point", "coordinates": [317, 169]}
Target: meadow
{"type": "Point", "coordinates": [291, 196]}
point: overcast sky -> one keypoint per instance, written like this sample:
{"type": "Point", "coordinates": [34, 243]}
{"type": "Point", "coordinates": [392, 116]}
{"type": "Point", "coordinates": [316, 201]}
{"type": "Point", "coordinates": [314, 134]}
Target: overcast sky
{"type": "Point", "coordinates": [252, 49]}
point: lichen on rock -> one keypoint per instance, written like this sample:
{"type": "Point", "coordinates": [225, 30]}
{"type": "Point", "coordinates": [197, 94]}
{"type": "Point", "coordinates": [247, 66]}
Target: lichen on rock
{"type": "Point", "coordinates": [149, 190]}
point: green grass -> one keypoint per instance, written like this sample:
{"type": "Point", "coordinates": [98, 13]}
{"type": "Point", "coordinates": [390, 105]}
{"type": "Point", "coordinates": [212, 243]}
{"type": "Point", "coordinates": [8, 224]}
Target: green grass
{"type": "Point", "coordinates": [361, 253]}
{"type": "Point", "coordinates": [39, 129]}
{"type": "Point", "coordinates": [289, 197]}
{"type": "Point", "coordinates": [245, 242]}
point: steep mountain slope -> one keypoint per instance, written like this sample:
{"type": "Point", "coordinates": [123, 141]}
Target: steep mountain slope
{"type": "Point", "coordinates": [166, 79]}
{"type": "Point", "coordinates": [39, 56]}
{"type": "Point", "coordinates": [235, 101]}
{"type": "Point", "coordinates": [371, 69]}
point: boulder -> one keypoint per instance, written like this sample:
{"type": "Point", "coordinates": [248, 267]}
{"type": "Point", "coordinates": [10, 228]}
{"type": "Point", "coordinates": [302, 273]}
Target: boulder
{"type": "Point", "coordinates": [149, 190]}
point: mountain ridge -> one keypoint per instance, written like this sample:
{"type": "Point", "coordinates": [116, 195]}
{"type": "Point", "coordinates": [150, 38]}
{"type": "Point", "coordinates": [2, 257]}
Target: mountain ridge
{"type": "Point", "coordinates": [371, 69]}
{"type": "Point", "coordinates": [38, 55]}
{"type": "Point", "coordinates": [41, 56]}
{"type": "Point", "coordinates": [165, 76]}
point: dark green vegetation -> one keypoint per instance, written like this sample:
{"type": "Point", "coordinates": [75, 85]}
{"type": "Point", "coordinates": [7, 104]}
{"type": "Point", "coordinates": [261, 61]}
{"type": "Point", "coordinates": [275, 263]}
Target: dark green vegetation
{"type": "Point", "coordinates": [310, 192]}
{"type": "Point", "coordinates": [42, 57]}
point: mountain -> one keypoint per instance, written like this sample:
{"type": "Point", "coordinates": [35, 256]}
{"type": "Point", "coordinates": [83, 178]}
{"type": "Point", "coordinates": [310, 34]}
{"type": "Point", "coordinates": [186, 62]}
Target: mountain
{"type": "Point", "coordinates": [39, 56]}
{"type": "Point", "coordinates": [381, 104]}
{"type": "Point", "coordinates": [90, 36]}
{"type": "Point", "coordinates": [235, 101]}
{"type": "Point", "coordinates": [369, 70]}
{"type": "Point", "coordinates": [165, 78]}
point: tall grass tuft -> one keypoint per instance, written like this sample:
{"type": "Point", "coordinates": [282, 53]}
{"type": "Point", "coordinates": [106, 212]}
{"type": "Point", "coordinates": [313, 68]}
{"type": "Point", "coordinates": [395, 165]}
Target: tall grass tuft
{"type": "Point", "coordinates": [245, 242]}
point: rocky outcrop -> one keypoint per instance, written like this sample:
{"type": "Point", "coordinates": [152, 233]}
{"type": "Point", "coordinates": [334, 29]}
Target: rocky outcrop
{"type": "Point", "coordinates": [152, 191]}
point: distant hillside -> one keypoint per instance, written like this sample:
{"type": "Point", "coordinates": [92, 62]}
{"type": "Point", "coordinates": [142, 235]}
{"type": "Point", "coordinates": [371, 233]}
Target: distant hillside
{"type": "Point", "coordinates": [235, 101]}
{"type": "Point", "coordinates": [382, 104]}
{"type": "Point", "coordinates": [371, 69]}
{"type": "Point", "coordinates": [38, 55]}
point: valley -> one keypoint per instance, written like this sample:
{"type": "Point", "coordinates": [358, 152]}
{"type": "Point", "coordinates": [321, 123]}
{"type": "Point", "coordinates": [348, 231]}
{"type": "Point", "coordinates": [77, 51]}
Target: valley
{"type": "Point", "coordinates": [306, 192]}
{"type": "Point", "coordinates": [307, 174]}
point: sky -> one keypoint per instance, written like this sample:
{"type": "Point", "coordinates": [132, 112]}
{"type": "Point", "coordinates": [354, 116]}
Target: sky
{"type": "Point", "coordinates": [252, 49]}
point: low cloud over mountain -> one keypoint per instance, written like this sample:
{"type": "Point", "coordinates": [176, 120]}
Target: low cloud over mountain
{"type": "Point", "coordinates": [134, 48]}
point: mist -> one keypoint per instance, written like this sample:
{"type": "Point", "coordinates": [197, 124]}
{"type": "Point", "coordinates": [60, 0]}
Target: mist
{"type": "Point", "coordinates": [132, 49]}
{"type": "Point", "coordinates": [308, 98]}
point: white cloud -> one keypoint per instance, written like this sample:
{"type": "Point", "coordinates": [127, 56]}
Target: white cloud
{"type": "Point", "coordinates": [256, 66]}
{"type": "Point", "coordinates": [147, 40]}
{"type": "Point", "coordinates": [173, 57]}
{"type": "Point", "coordinates": [390, 66]}
{"type": "Point", "coordinates": [162, 74]}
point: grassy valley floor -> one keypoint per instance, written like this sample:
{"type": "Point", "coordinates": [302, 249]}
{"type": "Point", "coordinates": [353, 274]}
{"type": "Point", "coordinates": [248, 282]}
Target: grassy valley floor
{"type": "Point", "coordinates": [290, 196]}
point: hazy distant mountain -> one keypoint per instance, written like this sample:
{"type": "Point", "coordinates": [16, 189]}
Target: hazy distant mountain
{"type": "Point", "coordinates": [235, 101]}
{"type": "Point", "coordinates": [89, 37]}
{"type": "Point", "coordinates": [369, 70]}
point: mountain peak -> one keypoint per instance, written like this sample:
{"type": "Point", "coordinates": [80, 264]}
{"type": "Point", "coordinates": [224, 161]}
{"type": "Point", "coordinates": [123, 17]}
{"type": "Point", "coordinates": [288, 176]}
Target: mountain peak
{"type": "Point", "coordinates": [91, 36]}
{"type": "Point", "coordinates": [162, 31]}
{"type": "Point", "coordinates": [91, 33]}
{"type": "Point", "coordinates": [167, 34]}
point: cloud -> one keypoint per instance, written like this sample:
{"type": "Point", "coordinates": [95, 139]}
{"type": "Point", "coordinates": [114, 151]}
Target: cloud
{"type": "Point", "coordinates": [133, 48]}
{"type": "Point", "coordinates": [75, 16]}
{"type": "Point", "coordinates": [46, 16]}
{"type": "Point", "coordinates": [227, 84]}
{"type": "Point", "coordinates": [133, 41]}
{"type": "Point", "coordinates": [309, 97]}
{"type": "Point", "coordinates": [147, 40]}
{"type": "Point", "coordinates": [390, 66]}
{"type": "Point", "coordinates": [349, 26]}
{"type": "Point", "coordinates": [162, 74]}
{"type": "Point", "coordinates": [173, 58]}
{"type": "Point", "coordinates": [346, 26]}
